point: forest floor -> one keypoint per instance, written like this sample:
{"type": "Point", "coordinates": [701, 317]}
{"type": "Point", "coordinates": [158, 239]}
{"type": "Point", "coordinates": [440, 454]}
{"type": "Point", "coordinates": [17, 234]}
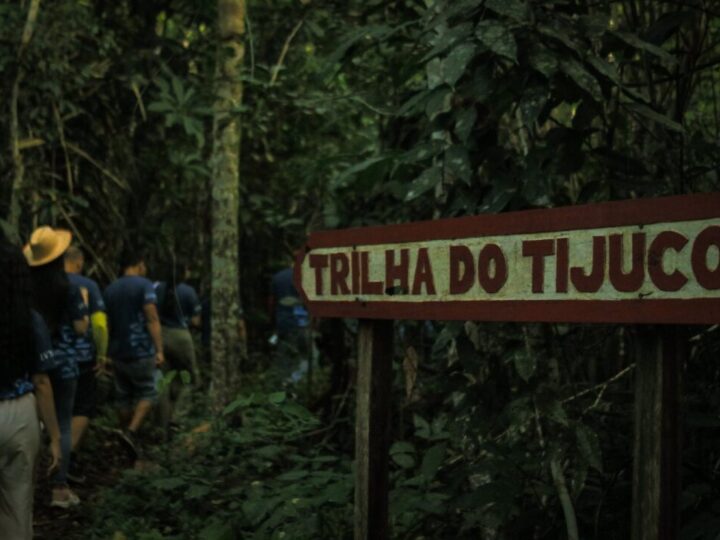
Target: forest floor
{"type": "Point", "coordinates": [103, 459]}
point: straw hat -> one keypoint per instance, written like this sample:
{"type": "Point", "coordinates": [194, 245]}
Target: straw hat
{"type": "Point", "coordinates": [46, 244]}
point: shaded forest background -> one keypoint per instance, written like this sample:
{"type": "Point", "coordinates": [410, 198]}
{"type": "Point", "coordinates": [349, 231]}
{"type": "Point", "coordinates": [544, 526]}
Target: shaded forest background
{"type": "Point", "coordinates": [376, 112]}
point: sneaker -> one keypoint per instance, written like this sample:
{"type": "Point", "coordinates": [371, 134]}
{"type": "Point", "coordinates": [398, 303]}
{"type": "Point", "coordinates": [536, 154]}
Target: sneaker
{"type": "Point", "coordinates": [64, 498]}
{"type": "Point", "coordinates": [131, 444]}
{"type": "Point", "coordinates": [75, 475]}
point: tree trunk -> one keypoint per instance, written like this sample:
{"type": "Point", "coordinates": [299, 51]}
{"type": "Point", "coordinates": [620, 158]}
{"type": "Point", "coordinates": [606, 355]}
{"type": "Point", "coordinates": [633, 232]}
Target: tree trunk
{"type": "Point", "coordinates": [14, 211]}
{"type": "Point", "coordinates": [226, 345]}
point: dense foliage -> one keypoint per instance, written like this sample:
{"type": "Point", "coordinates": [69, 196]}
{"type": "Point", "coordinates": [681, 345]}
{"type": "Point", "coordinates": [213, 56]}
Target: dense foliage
{"type": "Point", "coordinates": [376, 111]}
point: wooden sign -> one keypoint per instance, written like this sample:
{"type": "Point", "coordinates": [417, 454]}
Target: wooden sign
{"type": "Point", "coordinates": [638, 261]}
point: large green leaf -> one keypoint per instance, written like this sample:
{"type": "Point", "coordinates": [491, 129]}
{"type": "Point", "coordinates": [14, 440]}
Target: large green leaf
{"type": "Point", "coordinates": [589, 446]}
{"type": "Point", "coordinates": [638, 43]}
{"type": "Point", "coordinates": [425, 182]}
{"type": "Point", "coordinates": [432, 460]}
{"type": "Point", "coordinates": [655, 116]}
{"type": "Point", "coordinates": [582, 78]}
{"type": "Point", "coordinates": [515, 9]}
{"type": "Point", "coordinates": [454, 65]}
{"type": "Point", "coordinates": [498, 38]}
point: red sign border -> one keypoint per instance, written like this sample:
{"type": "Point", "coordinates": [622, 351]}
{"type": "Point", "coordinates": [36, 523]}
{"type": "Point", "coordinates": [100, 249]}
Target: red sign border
{"type": "Point", "coordinates": [594, 216]}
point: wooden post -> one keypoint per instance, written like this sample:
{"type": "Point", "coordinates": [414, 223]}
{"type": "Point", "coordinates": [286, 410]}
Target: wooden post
{"type": "Point", "coordinates": [660, 353]}
{"type": "Point", "coordinates": [372, 429]}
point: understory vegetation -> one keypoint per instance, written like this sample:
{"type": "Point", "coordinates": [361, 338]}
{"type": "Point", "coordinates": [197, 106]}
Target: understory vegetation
{"type": "Point", "coordinates": [366, 112]}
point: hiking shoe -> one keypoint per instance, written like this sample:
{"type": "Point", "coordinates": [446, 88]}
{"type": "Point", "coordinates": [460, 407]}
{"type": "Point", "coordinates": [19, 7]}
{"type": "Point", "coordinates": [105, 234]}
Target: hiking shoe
{"type": "Point", "coordinates": [75, 475]}
{"type": "Point", "coordinates": [131, 444]}
{"type": "Point", "coordinates": [65, 498]}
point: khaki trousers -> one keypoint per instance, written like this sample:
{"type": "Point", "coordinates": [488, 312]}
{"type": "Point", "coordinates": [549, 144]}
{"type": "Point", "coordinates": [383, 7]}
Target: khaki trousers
{"type": "Point", "coordinates": [19, 445]}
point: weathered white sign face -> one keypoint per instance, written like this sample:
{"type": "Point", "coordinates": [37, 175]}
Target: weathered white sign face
{"type": "Point", "coordinates": [597, 273]}
{"type": "Point", "coordinates": [658, 261]}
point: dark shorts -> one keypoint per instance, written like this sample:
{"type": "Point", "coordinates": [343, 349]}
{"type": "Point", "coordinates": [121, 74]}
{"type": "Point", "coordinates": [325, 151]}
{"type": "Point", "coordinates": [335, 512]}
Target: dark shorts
{"type": "Point", "coordinates": [86, 393]}
{"type": "Point", "coordinates": [134, 381]}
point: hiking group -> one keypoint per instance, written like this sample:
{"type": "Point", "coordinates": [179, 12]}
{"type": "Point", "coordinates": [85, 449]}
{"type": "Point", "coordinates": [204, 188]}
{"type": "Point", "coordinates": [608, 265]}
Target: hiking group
{"type": "Point", "coordinates": [58, 333]}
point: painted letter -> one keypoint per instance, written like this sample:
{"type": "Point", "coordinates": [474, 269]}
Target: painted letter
{"type": "Point", "coordinates": [707, 278]}
{"type": "Point", "coordinates": [538, 250]}
{"type": "Point", "coordinates": [339, 270]}
{"type": "Point", "coordinates": [662, 280]}
{"type": "Point", "coordinates": [367, 286]}
{"type": "Point", "coordinates": [423, 274]}
{"type": "Point", "coordinates": [492, 252]}
{"type": "Point", "coordinates": [397, 272]}
{"type": "Point", "coordinates": [562, 264]}
{"type": "Point", "coordinates": [461, 255]}
{"type": "Point", "coordinates": [590, 283]}
{"type": "Point", "coordinates": [318, 262]}
{"type": "Point", "coordinates": [627, 281]}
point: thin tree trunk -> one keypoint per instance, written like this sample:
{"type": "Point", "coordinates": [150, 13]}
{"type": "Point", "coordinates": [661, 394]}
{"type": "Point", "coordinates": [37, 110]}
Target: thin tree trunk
{"type": "Point", "coordinates": [226, 346]}
{"type": "Point", "coordinates": [18, 179]}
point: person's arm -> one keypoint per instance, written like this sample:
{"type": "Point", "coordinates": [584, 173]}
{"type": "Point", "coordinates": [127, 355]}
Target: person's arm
{"type": "Point", "coordinates": [153, 327]}
{"type": "Point", "coordinates": [98, 320]}
{"type": "Point", "coordinates": [46, 411]}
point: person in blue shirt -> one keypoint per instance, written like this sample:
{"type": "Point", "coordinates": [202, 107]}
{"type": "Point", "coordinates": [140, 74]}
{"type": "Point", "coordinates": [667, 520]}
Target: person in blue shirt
{"type": "Point", "coordinates": [291, 322]}
{"type": "Point", "coordinates": [91, 349]}
{"type": "Point", "coordinates": [64, 311]}
{"type": "Point", "coordinates": [25, 392]}
{"type": "Point", "coordinates": [179, 308]}
{"type": "Point", "coordinates": [135, 347]}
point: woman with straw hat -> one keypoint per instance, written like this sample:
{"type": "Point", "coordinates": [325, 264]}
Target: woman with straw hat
{"type": "Point", "coordinates": [64, 310]}
{"type": "Point", "coordinates": [25, 392]}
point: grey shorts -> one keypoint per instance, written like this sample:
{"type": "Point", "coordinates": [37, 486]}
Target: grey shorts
{"type": "Point", "coordinates": [135, 381]}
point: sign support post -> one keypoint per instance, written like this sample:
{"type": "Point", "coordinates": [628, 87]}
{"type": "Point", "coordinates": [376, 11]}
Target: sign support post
{"type": "Point", "coordinates": [657, 433]}
{"type": "Point", "coordinates": [635, 262]}
{"type": "Point", "coordinates": [372, 429]}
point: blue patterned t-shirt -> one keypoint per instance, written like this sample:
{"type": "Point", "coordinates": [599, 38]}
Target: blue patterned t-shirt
{"type": "Point", "coordinates": [65, 345]}
{"type": "Point", "coordinates": [84, 345]}
{"type": "Point", "coordinates": [126, 299]}
{"type": "Point", "coordinates": [44, 360]}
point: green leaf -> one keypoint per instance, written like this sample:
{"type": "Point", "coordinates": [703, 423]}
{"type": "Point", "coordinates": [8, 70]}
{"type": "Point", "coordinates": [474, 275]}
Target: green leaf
{"type": "Point", "coordinates": [406, 461]}
{"type": "Point", "coordinates": [589, 446]}
{"type": "Point", "coordinates": [185, 377]}
{"type": "Point", "coordinates": [439, 102]}
{"type": "Point", "coordinates": [422, 428]}
{"type": "Point", "coordinates": [496, 37]}
{"type": "Point", "coordinates": [402, 447]}
{"type": "Point", "coordinates": [454, 66]}
{"type": "Point", "coordinates": [217, 530]}
{"type": "Point", "coordinates": [543, 61]}
{"type": "Point", "coordinates": [525, 364]}
{"type": "Point", "coordinates": [457, 163]}
{"type": "Point", "coordinates": [168, 484]}
{"type": "Point", "coordinates": [655, 116]}
{"type": "Point", "coordinates": [582, 78]}
{"type": "Point", "coordinates": [434, 72]}
{"type": "Point", "coordinates": [464, 123]}
{"type": "Point", "coordinates": [515, 9]}
{"type": "Point", "coordinates": [432, 460]}
{"type": "Point", "coordinates": [277, 397]}
{"type": "Point", "coordinates": [424, 183]}
{"type": "Point", "coordinates": [638, 43]}
{"type": "Point", "coordinates": [197, 491]}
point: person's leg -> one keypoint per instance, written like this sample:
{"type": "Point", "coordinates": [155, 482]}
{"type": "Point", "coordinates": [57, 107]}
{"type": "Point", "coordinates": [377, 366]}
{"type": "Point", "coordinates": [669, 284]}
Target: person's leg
{"type": "Point", "coordinates": [144, 391]}
{"type": "Point", "coordinates": [85, 399]}
{"type": "Point", "coordinates": [142, 409]}
{"type": "Point", "coordinates": [64, 394]}
{"type": "Point", "coordinates": [123, 392]}
{"type": "Point", "coordinates": [19, 445]}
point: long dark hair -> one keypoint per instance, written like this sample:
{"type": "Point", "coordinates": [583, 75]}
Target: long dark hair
{"type": "Point", "coordinates": [169, 307]}
{"type": "Point", "coordinates": [50, 292]}
{"type": "Point", "coordinates": [17, 342]}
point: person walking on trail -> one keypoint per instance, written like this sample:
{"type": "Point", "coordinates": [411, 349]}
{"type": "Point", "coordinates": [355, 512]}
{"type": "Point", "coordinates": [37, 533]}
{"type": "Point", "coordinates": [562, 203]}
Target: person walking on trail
{"type": "Point", "coordinates": [291, 322]}
{"type": "Point", "coordinates": [25, 392]}
{"type": "Point", "coordinates": [179, 309]}
{"type": "Point", "coordinates": [91, 349]}
{"type": "Point", "coordinates": [135, 346]}
{"type": "Point", "coordinates": [64, 311]}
